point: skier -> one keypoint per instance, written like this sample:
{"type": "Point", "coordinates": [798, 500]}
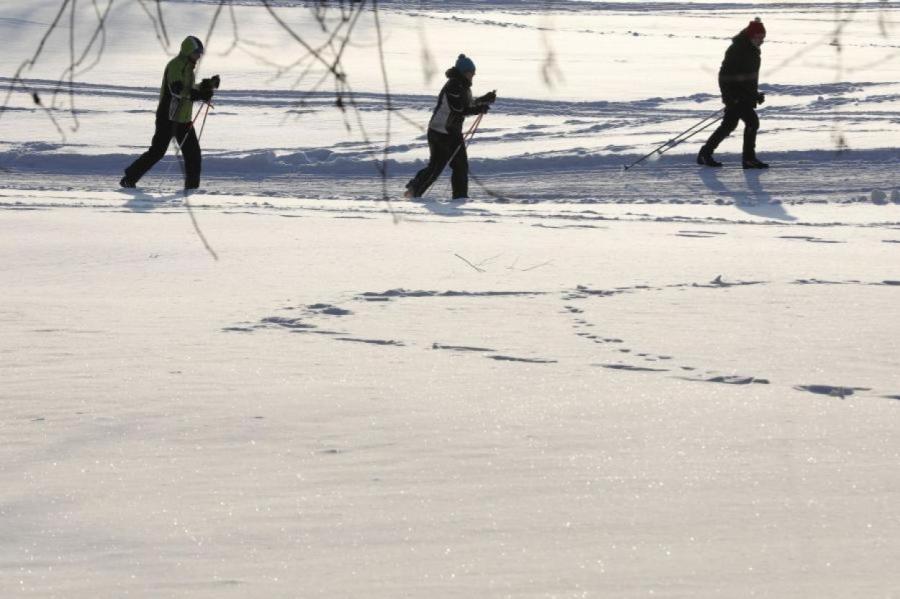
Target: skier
{"type": "Point", "coordinates": [173, 116]}
{"type": "Point", "coordinates": [445, 136]}
{"type": "Point", "coordinates": [738, 81]}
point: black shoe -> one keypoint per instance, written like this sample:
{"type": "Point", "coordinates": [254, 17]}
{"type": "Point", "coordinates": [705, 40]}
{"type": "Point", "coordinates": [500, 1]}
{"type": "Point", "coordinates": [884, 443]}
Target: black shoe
{"type": "Point", "coordinates": [127, 183]}
{"type": "Point", "coordinates": [705, 158]}
{"type": "Point", "coordinates": [754, 163]}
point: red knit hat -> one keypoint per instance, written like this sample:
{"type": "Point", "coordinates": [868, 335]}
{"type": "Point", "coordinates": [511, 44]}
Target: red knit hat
{"type": "Point", "coordinates": [755, 28]}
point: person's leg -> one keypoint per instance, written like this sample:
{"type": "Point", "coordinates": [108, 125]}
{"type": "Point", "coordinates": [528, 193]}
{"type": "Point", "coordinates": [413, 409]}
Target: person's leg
{"type": "Point", "coordinates": [729, 123]}
{"type": "Point", "coordinates": [190, 149]}
{"type": "Point", "coordinates": [460, 167]}
{"type": "Point", "coordinates": [158, 148]}
{"type": "Point", "coordinates": [751, 127]}
{"type": "Point", "coordinates": [438, 147]}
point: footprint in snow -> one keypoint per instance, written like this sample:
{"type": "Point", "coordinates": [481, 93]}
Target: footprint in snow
{"type": "Point", "coordinates": [288, 323]}
{"type": "Point", "coordinates": [328, 310]}
{"type": "Point", "coordinates": [632, 368]}
{"type": "Point", "coordinates": [464, 348]}
{"type": "Point", "coordinates": [732, 380]}
{"type": "Point", "coordinates": [719, 282]}
{"type": "Point", "coordinates": [830, 390]}
{"type": "Point", "coordinates": [526, 360]}
{"type": "Point", "coordinates": [372, 296]}
{"type": "Point", "coordinates": [699, 234]}
{"type": "Point", "coordinates": [808, 239]}
{"type": "Point", "coordinates": [372, 341]}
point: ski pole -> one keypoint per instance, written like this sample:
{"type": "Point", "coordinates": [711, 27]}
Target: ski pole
{"type": "Point", "coordinates": [206, 106]}
{"type": "Point", "coordinates": [178, 144]}
{"type": "Point", "coordinates": [203, 123]}
{"type": "Point", "coordinates": [466, 138]}
{"type": "Point", "coordinates": [680, 138]}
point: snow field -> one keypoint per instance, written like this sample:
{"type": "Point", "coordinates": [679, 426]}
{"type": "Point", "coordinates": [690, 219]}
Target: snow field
{"type": "Point", "coordinates": [358, 439]}
{"type": "Point", "coordinates": [669, 382]}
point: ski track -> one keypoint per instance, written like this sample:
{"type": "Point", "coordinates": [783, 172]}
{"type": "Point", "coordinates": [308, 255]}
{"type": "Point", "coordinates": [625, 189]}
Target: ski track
{"type": "Point", "coordinates": [598, 180]}
{"type": "Point", "coordinates": [644, 124]}
{"type": "Point", "coordinates": [699, 11]}
{"type": "Point", "coordinates": [583, 6]}
{"type": "Point", "coordinates": [638, 362]}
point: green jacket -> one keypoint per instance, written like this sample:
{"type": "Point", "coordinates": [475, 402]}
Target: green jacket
{"type": "Point", "coordinates": [178, 91]}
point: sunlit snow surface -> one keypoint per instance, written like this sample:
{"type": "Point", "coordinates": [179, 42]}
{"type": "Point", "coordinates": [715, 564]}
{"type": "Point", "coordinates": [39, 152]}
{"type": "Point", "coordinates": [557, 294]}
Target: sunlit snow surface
{"type": "Point", "coordinates": [625, 78]}
{"type": "Point", "coordinates": [584, 382]}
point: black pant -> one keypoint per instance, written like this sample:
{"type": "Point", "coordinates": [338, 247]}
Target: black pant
{"type": "Point", "coordinates": [442, 147]}
{"type": "Point", "coordinates": [190, 147]}
{"type": "Point", "coordinates": [743, 111]}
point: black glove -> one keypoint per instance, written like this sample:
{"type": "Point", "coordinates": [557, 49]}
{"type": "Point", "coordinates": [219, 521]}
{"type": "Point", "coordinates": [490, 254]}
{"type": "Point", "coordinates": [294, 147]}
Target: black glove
{"type": "Point", "coordinates": [483, 108]}
{"type": "Point", "coordinates": [760, 98]}
{"type": "Point", "coordinates": [488, 98]}
{"type": "Point", "coordinates": [205, 91]}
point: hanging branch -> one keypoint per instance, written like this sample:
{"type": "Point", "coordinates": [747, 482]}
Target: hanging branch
{"type": "Point", "coordinates": [99, 31]}
{"type": "Point", "coordinates": [212, 24]}
{"type": "Point", "coordinates": [287, 28]}
{"type": "Point", "coordinates": [29, 63]}
{"type": "Point", "coordinates": [383, 168]}
{"type": "Point", "coordinates": [159, 29]}
{"type": "Point", "coordinates": [162, 22]}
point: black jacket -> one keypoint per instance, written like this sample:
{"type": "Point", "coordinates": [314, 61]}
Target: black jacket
{"type": "Point", "coordinates": [454, 104]}
{"type": "Point", "coordinates": [739, 75]}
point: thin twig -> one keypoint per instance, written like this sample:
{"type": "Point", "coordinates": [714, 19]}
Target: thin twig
{"type": "Point", "coordinates": [469, 263]}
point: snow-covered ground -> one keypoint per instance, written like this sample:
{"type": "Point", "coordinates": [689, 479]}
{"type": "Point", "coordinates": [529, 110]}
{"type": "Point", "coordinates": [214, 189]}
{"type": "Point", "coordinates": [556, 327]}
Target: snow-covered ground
{"type": "Point", "coordinates": [584, 382]}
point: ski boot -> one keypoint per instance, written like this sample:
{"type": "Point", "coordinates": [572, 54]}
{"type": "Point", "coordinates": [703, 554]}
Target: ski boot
{"type": "Point", "coordinates": [127, 183]}
{"type": "Point", "coordinates": [751, 163]}
{"type": "Point", "coordinates": [705, 158]}
{"type": "Point", "coordinates": [410, 194]}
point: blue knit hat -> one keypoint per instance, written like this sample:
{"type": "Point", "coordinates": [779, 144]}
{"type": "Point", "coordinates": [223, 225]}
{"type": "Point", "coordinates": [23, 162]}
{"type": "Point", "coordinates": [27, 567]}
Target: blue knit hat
{"type": "Point", "coordinates": [464, 64]}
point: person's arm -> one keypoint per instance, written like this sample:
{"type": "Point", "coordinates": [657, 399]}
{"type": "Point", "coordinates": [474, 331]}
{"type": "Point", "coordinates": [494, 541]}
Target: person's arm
{"type": "Point", "coordinates": [175, 84]}
{"type": "Point", "coordinates": [457, 99]}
